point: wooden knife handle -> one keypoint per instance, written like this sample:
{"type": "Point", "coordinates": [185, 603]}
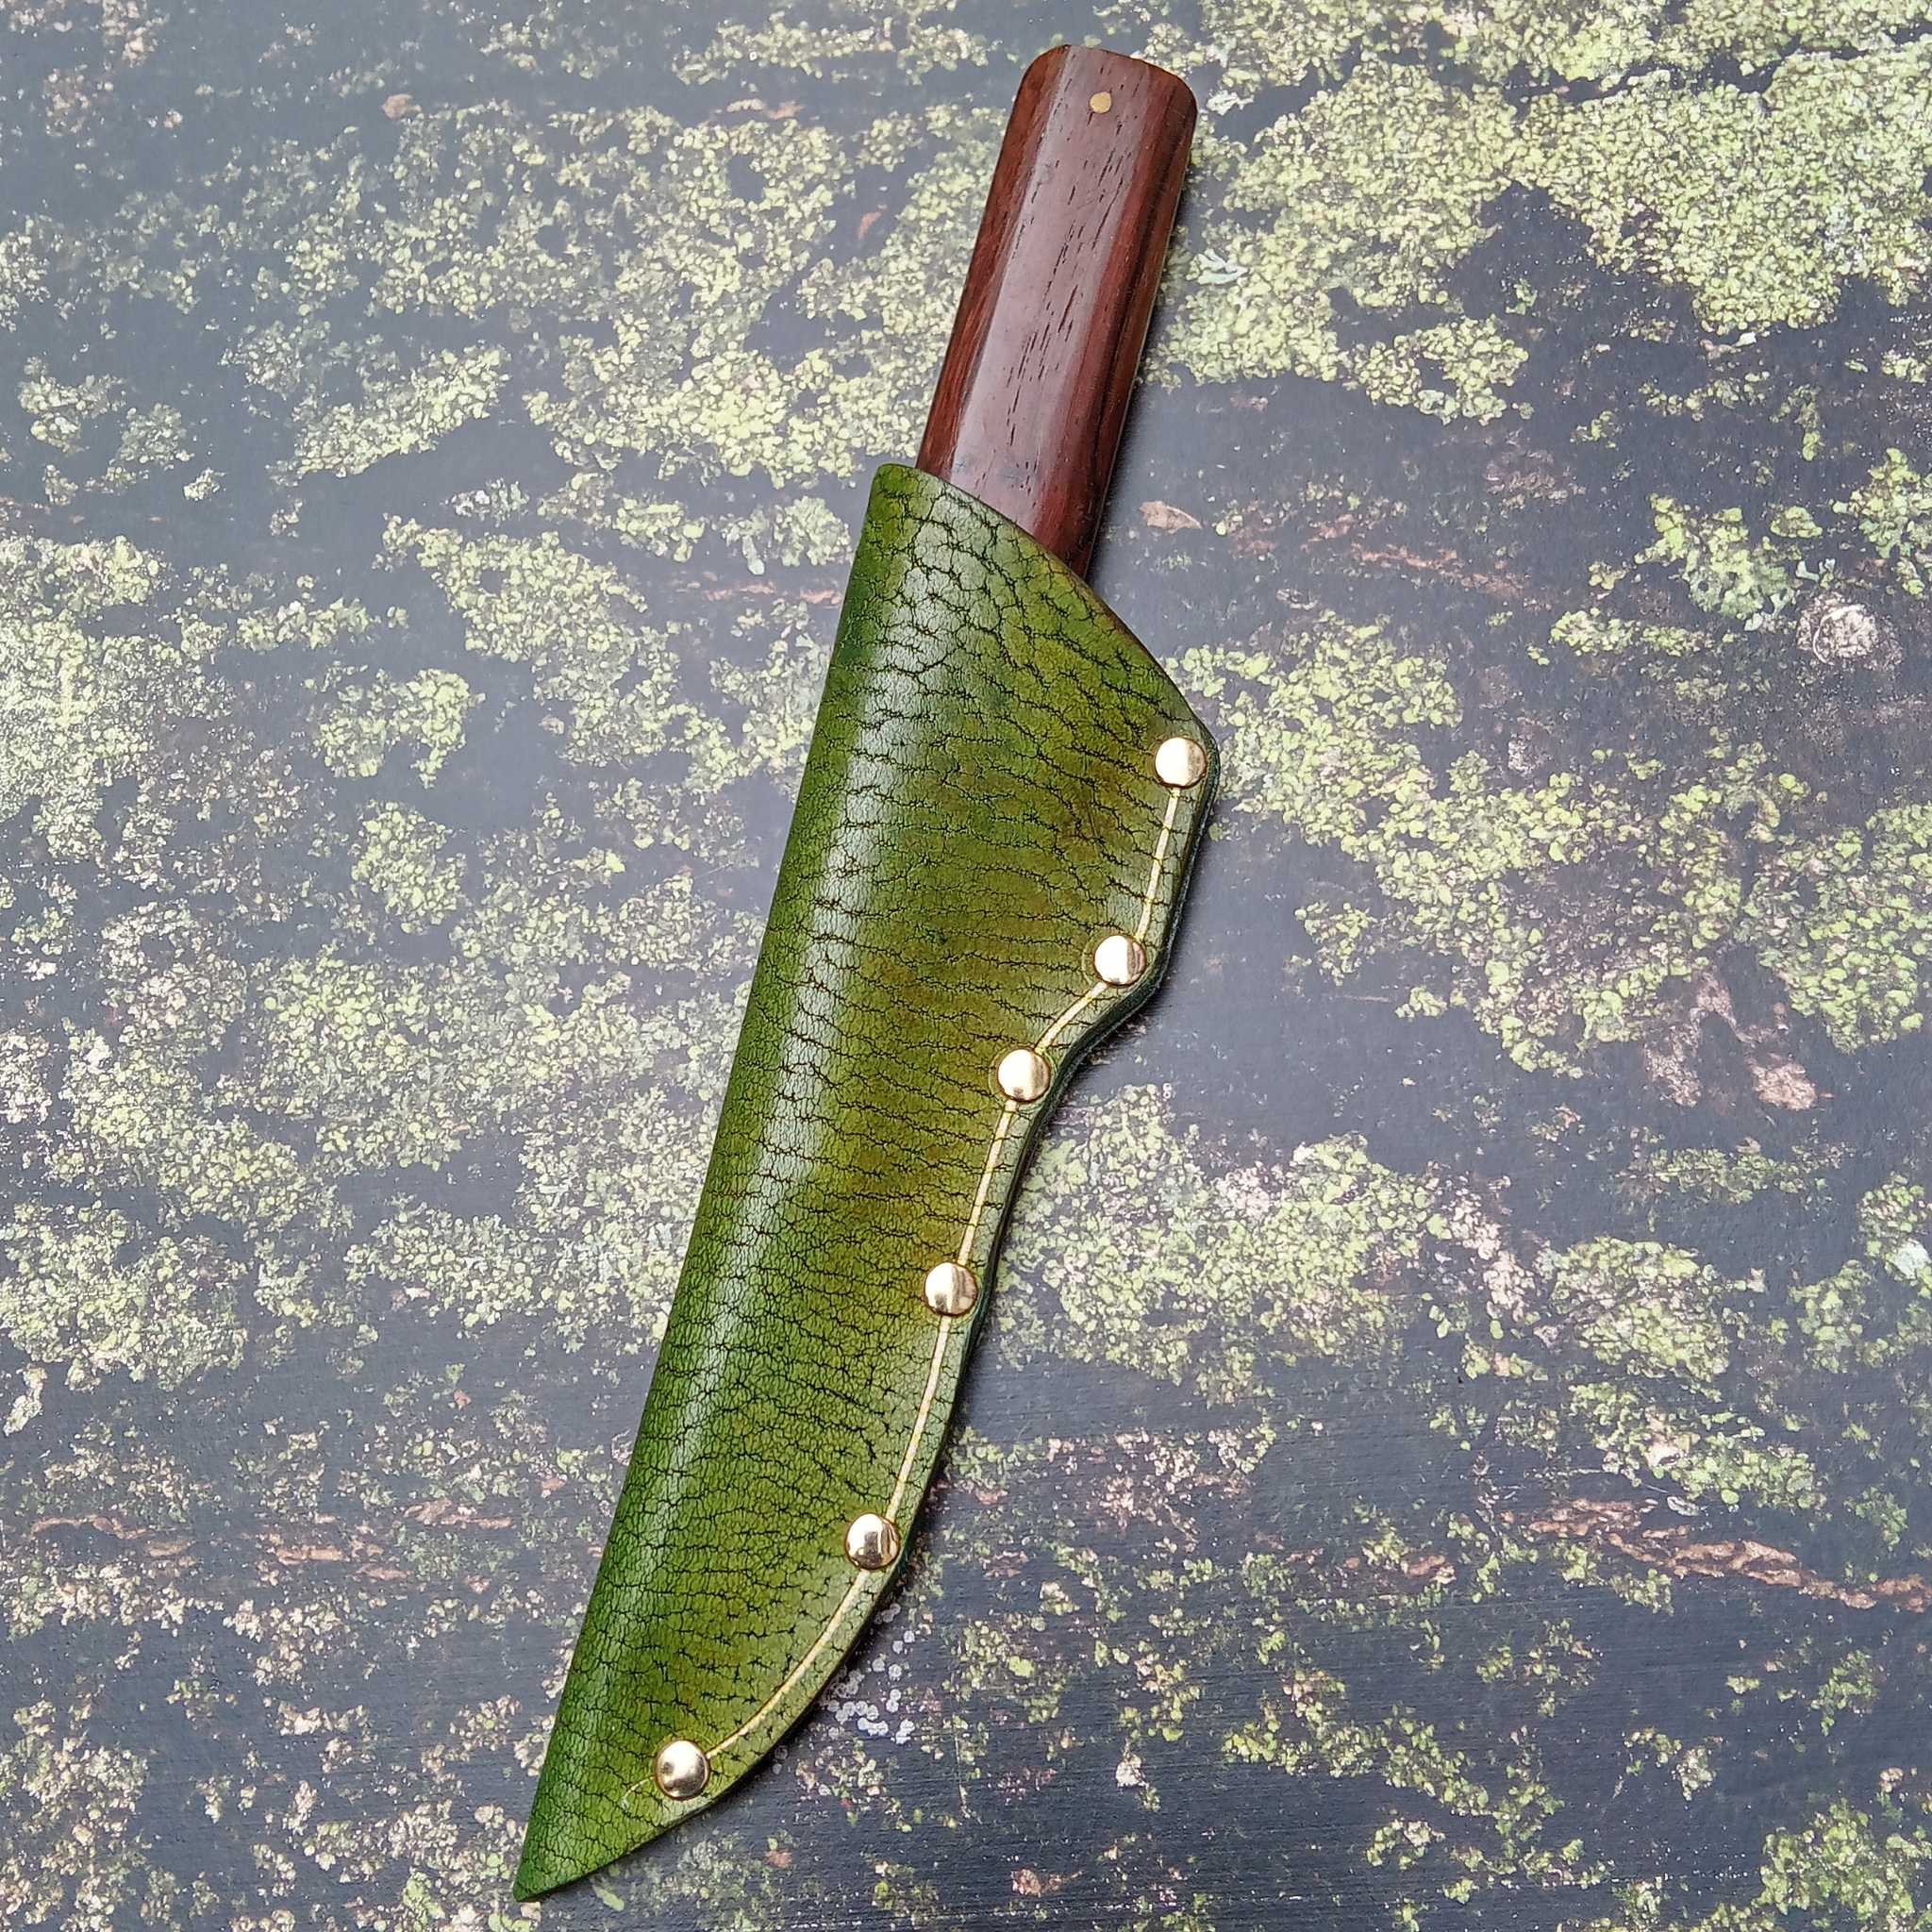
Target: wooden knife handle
{"type": "Point", "coordinates": [1033, 395]}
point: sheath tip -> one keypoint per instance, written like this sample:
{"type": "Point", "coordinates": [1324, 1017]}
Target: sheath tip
{"type": "Point", "coordinates": [531, 1881]}
{"type": "Point", "coordinates": [552, 1861]}
{"type": "Point", "coordinates": [538, 1871]}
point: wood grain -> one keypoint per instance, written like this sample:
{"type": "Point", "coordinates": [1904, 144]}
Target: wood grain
{"type": "Point", "coordinates": [1033, 395]}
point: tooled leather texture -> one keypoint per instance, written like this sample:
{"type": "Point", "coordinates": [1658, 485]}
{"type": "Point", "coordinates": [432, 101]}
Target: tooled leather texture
{"type": "Point", "coordinates": [980, 808]}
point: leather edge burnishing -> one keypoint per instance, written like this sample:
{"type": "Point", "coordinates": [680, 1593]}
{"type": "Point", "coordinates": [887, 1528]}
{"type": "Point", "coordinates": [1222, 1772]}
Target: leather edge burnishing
{"type": "Point", "coordinates": [666, 1704]}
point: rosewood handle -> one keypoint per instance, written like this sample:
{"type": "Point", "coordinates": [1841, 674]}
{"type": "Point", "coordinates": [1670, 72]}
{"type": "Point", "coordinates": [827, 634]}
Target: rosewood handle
{"type": "Point", "coordinates": [1033, 395]}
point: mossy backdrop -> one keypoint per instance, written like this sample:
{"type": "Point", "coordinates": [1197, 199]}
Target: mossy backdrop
{"type": "Point", "coordinates": [1451, 1450]}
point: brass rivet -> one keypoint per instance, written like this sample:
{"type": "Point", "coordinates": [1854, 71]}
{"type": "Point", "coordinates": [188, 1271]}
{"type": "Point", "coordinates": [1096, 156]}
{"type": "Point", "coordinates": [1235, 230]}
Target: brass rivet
{"type": "Point", "coordinates": [1120, 960]}
{"type": "Point", "coordinates": [1023, 1074]}
{"type": "Point", "coordinates": [1180, 762]}
{"type": "Point", "coordinates": [951, 1290]}
{"type": "Point", "coordinates": [1100, 103]}
{"type": "Point", "coordinates": [870, 1541]}
{"type": "Point", "coordinates": [682, 1769]}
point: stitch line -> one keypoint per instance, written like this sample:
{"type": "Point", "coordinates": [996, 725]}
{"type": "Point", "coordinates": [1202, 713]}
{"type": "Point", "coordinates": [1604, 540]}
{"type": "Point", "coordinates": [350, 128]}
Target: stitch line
{"type": "Point", "coordinates": [805, 1663]}
{"type": "Point", "coordinates": [942, 1339]}
{"type": "Point", "coordinates": [1072, 1013]}
{"type": "Point", "coordinates": [1173, 806]}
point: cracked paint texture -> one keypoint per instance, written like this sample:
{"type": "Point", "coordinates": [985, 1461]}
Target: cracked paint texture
{"type": "Point", "coordinates": [1451, 1443]}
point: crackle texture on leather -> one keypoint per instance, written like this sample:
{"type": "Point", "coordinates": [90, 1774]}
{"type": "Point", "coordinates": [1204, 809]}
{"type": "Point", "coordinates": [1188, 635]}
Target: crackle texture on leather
{"type": "Point", "coordinates": [978, 808]}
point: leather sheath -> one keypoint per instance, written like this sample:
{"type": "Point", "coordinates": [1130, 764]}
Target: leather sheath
{"type": "Point", "coordinates": [979, 808]}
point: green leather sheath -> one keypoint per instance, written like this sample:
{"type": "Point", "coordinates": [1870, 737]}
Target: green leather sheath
{"type": "Point", "coordinates": [979, 809]}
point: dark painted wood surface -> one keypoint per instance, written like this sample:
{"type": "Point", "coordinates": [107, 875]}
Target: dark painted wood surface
{"type": "Point", "coordinates": [1449, 1447]}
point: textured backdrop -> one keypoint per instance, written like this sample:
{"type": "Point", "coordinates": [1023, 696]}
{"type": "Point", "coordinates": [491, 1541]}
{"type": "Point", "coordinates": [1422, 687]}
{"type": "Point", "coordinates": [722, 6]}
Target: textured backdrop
{"type": "Point", "coordinates": [1451, 1449]}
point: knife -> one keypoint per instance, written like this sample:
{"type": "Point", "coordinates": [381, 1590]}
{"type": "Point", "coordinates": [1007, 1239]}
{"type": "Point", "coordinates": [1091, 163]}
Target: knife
{"type": "Point", "coordinates": [999, 808]}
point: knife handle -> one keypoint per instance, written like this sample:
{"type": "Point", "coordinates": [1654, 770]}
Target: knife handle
{"type": "Point", "coordinates": [1033, 395]}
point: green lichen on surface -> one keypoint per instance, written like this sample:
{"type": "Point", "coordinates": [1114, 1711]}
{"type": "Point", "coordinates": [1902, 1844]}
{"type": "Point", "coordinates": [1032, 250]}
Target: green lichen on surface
{"type": "Point", "coordinates": [1450, 1442]}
